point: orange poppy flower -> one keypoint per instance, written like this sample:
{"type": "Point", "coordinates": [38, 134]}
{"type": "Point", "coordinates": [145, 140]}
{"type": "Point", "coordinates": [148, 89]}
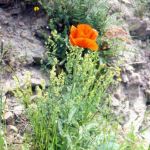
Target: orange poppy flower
{"type": "Point", "coordinates": [84, 36]}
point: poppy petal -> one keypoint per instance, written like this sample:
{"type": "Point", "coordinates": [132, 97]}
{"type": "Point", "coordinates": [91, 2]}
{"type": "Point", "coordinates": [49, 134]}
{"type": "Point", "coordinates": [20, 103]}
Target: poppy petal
{"type": "Point", "coordinates": [94, 34]}
{"type": "Point", "coordinates": [72, 40]}
{"type": "Point", "coordinates": [84, 28]}
{"type": "Point", "coordinates": [74, 31]}
{"type": "Point", "coordinates": [88, 31]}
{"type": "Point", "coordinates": [86, 43]}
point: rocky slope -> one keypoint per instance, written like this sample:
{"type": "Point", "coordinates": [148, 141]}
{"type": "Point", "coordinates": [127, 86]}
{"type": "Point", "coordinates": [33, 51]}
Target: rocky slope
{"type": "Point", "coordinates": [21, 34]}
{"type": "Point", "coordinates": [132, 98]}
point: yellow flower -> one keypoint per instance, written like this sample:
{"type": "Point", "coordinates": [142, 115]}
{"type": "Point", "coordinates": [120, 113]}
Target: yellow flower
{"type": "Point", "coordinates": [118, 72]}
{"type": "Point", "coordinates": [36, 8]}
{"type": "Point", "coordinates": [119, 79]}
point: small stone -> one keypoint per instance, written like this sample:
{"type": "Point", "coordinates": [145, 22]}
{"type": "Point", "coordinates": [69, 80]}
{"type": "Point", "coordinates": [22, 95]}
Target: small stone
{"type": "Point", "coordinates": [125, 117]}
{"type": "Point", "coordinates": [117, 96]}
{"type": "Point", "coordinates": [1, 132]}
{"type": "Point", "coordinates": [5, 22]}
{"type": "Point", "coordinates": [129, 69]}
{"type": "Point", "coordinates": [23, 35]}
{"type": "Point", "coordinates": [7, 14]}
{"type": "Point", "coordinates": [18, 110]}
{"type": "Point", "coordinates": [114, 102]}
{"type": "Point", "coordinates": [124, 78]}
{"type": "Point", "coordinates": [9, 138]}
{"type": "Point", "coordinates": [9, 117]}
{"type": "Point", "coordinates": [135, 79]}
{"type": "Point", "coordinates": [19, 139]}
{"type": "Point", "coordinates": [126, 1]}
{"type": "Point", "coordinates": [146, 137]}
{"type": "Point", "coordinates": [12, 128]}
{"type": "Point", "coordinates": [30, 40]}
{"type": "Point", "coordinates": [21, 23]}
{"type": "Point", "coordinates": [2, 18]}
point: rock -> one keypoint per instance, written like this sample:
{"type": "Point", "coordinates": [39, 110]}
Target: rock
{"type": "Point", "coordinates": [7, 14]}
{"type": "Point", "coordinates": [115, 6]}
{"type": "Point", "coordinates": [15, 11]}
{"type": "Point", "coordinates": [9, 117]}
{"type": "Point", "coordinates": [5, 22]}
{"type": "Point", "coordinates": [2, 2]}
{"type": "Point", "coordinates": [1, 132]}
{"type": "Point", "coordinates": [40, 23]}
{"type": "Point", "coordinates": [137, 25]}
{"type": "Point", "coordinates": [146, 136]}
{"type": "Point", "coordinates": [9, 138]}
{"type": "Point", "coordinates": [39, 34]}
{"type": "Point", "coordinates": [134, 79]}
{"type": "Point", "coordinates": [124, 78]}
{"type": "Point", "coordinates": [30, 39]}
{"type": "Point", "coordinates": [129, 69]}
{"type": "Point", "coordinates": [18, 140]}
{"type": "Point", "coordinates": [126, 2]}
{"type": "Point", "coordinates": [2, 18]}
{"type": "Point", "coordinates": [12, 128]}
{"type": "Point", "coordinates": [36, 52]}
{"type": "Point", "coordinates": [18, 110]}
{"type": "Point", "coordinates": [138, 28]}
{"type": "Point", "coordinates": [21, 23]}
{"type": "Point", "coordinates": [26, 36]}
{"type": "Point", "coordinates": [139, 65]}
{"type": "Point", "coordinates": [127, 105]}
{"type": "Point", "coordinates": [114, 102]}
{"type": "Point", "coordinates": [37, 75]}
{"type": "Point", "coordinates": [125, 117]}
{"type": "Point", "coordinates": [23, 35]}
{"type": "Point", "coordinates": [117, 96]}
{"type": "Point", "coordinates": [148, 31]}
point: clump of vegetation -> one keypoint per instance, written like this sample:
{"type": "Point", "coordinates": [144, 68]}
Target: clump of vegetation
{"type": "Point", "coordinates": [65, 14]}
{"type": "Point", "coordinates": [68, 114]}
{"type": "Point", "coordinates": [74, 111]}
{"type": "Point", "coordinates": [3, 56]}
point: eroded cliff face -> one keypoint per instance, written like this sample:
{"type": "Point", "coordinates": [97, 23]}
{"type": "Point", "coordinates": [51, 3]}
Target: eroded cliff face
{"type": "Point", "coordinates": [21, 34]}
{"type": "Point", "coordinates": [132, 98]}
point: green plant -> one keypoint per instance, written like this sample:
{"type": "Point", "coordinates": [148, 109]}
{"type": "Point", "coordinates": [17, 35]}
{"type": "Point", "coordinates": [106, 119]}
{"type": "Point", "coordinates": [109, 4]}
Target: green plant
{"type": "Point", "coordinates": [63, 14]}
{"type": "Point", "coordinates": [2, 140]}
{"type": "Point", "coordinates": [68, 114]}
{"type": "Point", "coordinates": [3, 143]}
{"type": "Point", "coordinates": [132, 140]}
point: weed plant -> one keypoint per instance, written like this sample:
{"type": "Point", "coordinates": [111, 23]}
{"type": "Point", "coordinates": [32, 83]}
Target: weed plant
{"type": "Point", "coordinates": [2, 140]}
{"type": "Point", "coordinates": [3, 54]}
{"type": "Point", "coordinates": [71, 112]}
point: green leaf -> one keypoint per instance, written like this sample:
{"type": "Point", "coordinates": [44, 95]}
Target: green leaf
{"type": "Point", "coordinates": [71, 113]}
